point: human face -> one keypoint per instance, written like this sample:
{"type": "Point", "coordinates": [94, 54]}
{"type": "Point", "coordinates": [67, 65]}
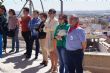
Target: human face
{"type": "Point", "coordinates": [25, 13]}
{"type": "Point", "coordinates": [1, 11]}
{"type": "Point", "coordinates": [43, 18]}
{"type": "Point", "coordinates": [51, 15]}
{"type": "Point", "coordinates": [72, 21]}
{"type": "Point", "coordinates": [10, 13]}
{"type": "Point", "coordinates": [35, 15]}
{"type": "Point", "coordinates": [61, 20]}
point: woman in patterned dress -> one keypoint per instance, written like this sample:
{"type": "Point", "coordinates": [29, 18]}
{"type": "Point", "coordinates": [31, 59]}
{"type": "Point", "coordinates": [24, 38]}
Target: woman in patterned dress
{"type": "Point", "coordinates": [50, 41]}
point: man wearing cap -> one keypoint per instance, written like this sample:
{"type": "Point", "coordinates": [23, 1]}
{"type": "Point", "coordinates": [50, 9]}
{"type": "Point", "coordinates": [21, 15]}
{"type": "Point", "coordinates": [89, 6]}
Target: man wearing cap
{"type": "Point", "coordinates": [75, 46]}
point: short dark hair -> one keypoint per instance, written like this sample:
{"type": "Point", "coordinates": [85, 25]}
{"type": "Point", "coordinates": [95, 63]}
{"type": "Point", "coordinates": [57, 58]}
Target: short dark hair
{"type": "Point", "coordinates": [3, 7]}
{"type": "Point", "coordinates": [36, 11]}
{"type": "Point", "coordinates": [74, 18]}
{"type": "Point", "coordinates": [26, 9]}
{"type": "Point", "coordinates": [13, 11]}
{"type": "Point", "coordinates": [52, 11]}
{"type": "Point", "coordinates": [44, 15]}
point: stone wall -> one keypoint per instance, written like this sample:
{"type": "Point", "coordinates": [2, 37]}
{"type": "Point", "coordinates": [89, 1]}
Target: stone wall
{"type": "Point", "coordinates": [97, 62]}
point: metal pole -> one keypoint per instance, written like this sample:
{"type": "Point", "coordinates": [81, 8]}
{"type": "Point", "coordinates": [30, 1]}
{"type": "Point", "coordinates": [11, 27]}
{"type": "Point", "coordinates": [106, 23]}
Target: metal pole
{"type": "Point", "coordinates": [61, 6]}
{"type": "Point", "coordinates": [30, 7]}
{"type": "Point", "coordinates": [42, 5]}
{"type": "Point", "coordinates": [22, 8]}
{"type": "Point", "coordinates": [33, 6]}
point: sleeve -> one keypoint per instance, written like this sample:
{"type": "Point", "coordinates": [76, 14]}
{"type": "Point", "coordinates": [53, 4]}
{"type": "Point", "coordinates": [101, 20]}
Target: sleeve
{"type": "Point", "coordinates": [67, 27]}
{"type": "Point", "coordinates": [29, 25]}
{"type": "Point", "coordinates": [82, 35]}
{"type": "Point", "coordinates": [43, 26]}
{"type": "Point", "coordinates": [21, 20]}
{"type": "Point", "coordinates": [56, 24]}
{"type": "Point", "coordinates": [55, 33]}
{"type": "Point", "coordinates": [16, 21]}
{"type": "Point", "coordinates": [4, 22]}
{"type": "Point", "coordinates": [39, 21]}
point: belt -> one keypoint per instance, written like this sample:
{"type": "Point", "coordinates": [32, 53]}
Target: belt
{"type": "Point", "coordinates": [79, 50]}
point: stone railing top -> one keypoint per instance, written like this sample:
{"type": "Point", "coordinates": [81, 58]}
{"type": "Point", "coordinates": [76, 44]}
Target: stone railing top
{"type": "Point", "coordinates": [105, 44]}
{"type": "Point", "coordinates": [97, 53]}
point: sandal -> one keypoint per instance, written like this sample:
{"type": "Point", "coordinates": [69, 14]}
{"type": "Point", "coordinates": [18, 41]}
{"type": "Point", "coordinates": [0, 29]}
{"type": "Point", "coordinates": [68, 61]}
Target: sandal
{"type": "Point", "coordinates": [55, 70]}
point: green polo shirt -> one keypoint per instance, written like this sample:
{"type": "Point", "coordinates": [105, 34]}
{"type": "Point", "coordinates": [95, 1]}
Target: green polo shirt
{"type": "Point", "coordinates": [61, 43]}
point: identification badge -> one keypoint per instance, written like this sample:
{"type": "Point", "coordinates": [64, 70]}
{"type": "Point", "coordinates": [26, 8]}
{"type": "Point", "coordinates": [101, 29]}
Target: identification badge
{"type": "Point", "coordinates": [71, 37]}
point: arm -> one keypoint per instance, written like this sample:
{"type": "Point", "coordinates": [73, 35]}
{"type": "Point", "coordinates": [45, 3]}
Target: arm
{"type": "Point", "coordinates": [55, 33]}
{"type": "Point", "coordinates": [66, 28]}
{"type": "Point", "coordinates": [54, 43]}
{"type": "Point", "coordinates": [4, 22]}
{"type": "Point", "coordinates": [40, 28]}
{"type": "Point", "coordinates": [82, 36]}
{"type": "Point", "coordinates": [84, 45]}
{"type": "Point", "coordinates": [29, 25]}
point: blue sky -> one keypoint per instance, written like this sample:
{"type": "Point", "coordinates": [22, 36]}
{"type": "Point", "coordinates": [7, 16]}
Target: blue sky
{"type": "Point", "coordinates": [69, 5]}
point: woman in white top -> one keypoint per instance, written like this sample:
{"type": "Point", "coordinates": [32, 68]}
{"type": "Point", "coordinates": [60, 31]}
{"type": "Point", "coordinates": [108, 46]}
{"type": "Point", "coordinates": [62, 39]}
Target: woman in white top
{"type": "Point", "coordinates": [50, 41]}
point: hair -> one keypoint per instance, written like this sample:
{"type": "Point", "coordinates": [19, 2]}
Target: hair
{"type": "Point", "coordinates": [44, 15]}
{"type": "Point", "coordinates": [13, 11]}
{"type": "Point", "coordinates": [3, 8]}
{"type": "Point", "coordinates": [75, 18]}
{"type": "Point", "coordinates": [52, 11]}
{"type": "Point", "coordinates": [64, 17]}
{"type": "Point", "coordinates": [26, 9]}
{"type": "Point", "coordinates": [36, 11]}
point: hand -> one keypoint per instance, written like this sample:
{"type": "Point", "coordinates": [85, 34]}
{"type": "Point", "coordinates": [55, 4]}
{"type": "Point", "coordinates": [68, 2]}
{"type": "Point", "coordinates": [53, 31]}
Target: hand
{"type": "Point", "coordinates": [58, 37]}
{"type": "Point", "coordinates": [40, 29]}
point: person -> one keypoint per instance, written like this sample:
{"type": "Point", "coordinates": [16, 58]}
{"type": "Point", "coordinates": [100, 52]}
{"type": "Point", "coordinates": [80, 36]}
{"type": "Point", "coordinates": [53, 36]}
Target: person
{"type": "Point", "coordinates": [0, 45]}
{"type": "Point", "coordinates": [2, 23]}
{"type": "Point", "coordinates": [13, 27]}
{"type": "Point", "coordinates": [75, 46]}
{"type": "Point", "coordinates": [51, 42]}
{"type": "Point", "coordinates": [43, 17]}
{"type": "Point", "coordinates": [33, 24]}
{"type": "Point", "coordinates": [26, 33]}
{"type": "Point", "coordinates": [5, 29]}
{"type": "Point", "coordinates": [60, 36]}
{"type": "Point", "coordinates": [4, 10]}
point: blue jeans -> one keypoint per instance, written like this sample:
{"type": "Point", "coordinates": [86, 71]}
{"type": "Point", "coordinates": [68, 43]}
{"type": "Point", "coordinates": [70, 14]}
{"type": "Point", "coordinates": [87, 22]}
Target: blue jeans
{"type": "Point", "coordinates": [36, 39]}
{"type": "Point", "coordinates": [0, 45]}
{"type": "Point", "coordinates": [15, 40]}
{"type": "Point", "coordinates": [61, 55]}
{"type": "Point", "coordinates": [74, 61]}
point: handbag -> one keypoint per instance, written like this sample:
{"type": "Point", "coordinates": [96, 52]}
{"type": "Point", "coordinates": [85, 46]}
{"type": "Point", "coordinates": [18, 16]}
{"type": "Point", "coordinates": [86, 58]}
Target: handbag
{"type": "Point", "coordinates": [42, 35]}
